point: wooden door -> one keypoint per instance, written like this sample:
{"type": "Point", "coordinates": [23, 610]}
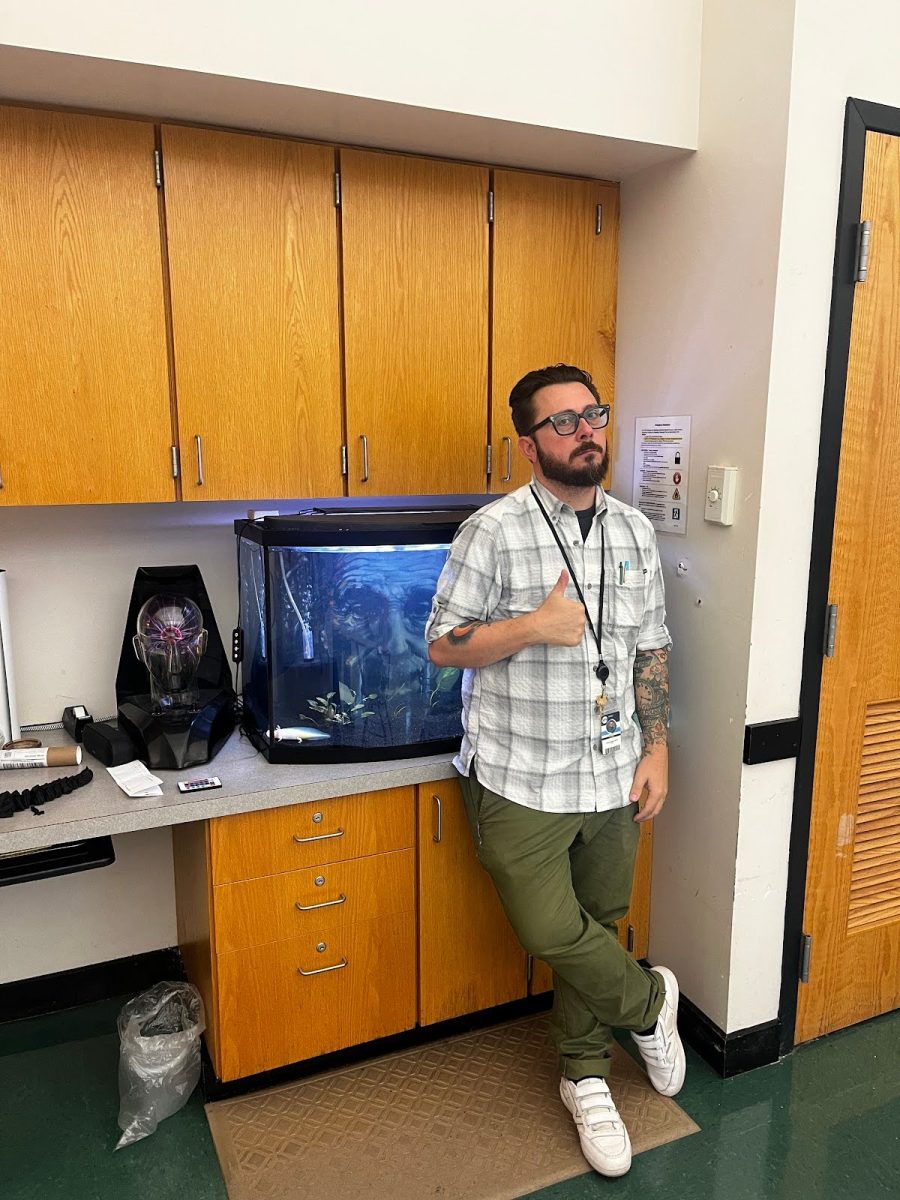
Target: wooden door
{"type": "Point", "coordinates": [252, 242]}
{"type": "Point", "coordinates": [469, 957]}
{"type": "Point", "coordinates": [415, 269]}
{"type": "Point", "coordinates": [554, 293]}
{"type": "Point", "coordinates": [84, 387]}
{"type": "Point", "coordinates": [853, 882]}
{"type": "Point", "coordinates": [634, 927]}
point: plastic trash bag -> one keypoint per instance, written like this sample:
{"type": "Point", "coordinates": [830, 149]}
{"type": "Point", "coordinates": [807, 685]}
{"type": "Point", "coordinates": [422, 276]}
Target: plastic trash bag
{"type": "Point", "coordinates": [159, 1056]}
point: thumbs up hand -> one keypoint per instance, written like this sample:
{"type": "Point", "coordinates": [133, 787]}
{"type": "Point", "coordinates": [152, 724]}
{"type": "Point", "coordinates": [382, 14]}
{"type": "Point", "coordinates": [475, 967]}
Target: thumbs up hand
{"type": "Point", "coordinates": [559, 621]}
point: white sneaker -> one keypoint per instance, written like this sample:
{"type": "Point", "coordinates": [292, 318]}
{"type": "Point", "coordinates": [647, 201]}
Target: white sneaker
{"type": "Point", "coordinates": [604, 1139]}
{"type": "Point", "coordinates": [661, 1050]}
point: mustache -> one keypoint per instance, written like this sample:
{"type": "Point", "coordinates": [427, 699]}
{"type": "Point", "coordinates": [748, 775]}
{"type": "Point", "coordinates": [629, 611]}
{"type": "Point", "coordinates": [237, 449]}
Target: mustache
{"type": "Point", "coordinates": [585, 449]}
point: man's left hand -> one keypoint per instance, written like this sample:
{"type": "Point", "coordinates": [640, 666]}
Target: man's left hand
{"type": "Point", "coordinates": [653, 774]}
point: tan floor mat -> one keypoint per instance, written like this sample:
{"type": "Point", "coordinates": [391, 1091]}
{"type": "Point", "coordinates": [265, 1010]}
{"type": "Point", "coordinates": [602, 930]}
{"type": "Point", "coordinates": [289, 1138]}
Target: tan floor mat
{"type": "Point", "coordinates": [475, 1117]}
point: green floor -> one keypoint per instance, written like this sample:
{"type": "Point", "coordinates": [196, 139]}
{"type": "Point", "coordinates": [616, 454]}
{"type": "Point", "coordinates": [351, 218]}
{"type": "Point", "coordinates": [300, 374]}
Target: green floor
{"type": "Point", "coordinates": [825, 1123]}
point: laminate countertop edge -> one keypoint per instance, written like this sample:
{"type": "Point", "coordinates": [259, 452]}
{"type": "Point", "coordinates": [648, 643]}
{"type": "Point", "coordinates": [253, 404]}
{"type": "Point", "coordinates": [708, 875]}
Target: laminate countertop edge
{"type": "Point", "coordinates": [249, 783]}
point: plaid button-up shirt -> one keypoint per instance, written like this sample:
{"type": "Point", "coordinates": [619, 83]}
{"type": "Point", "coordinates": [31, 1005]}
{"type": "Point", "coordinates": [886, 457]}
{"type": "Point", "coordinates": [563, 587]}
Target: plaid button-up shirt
{"type": "Point", "coordinates": [531, 725]}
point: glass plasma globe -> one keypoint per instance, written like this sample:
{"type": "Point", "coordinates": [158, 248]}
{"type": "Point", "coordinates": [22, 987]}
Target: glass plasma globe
{"type": "Point", "coordinates": [170, 642]}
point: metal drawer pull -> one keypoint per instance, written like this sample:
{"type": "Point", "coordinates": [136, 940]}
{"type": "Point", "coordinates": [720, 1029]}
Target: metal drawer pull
{"type": "Point", "coordinates": [319, 837]}
{"type": "Point", "coordinates": [198, 442]}
{"type": "Point", "coordinates": [440, 820]}
{"type": "Point", "coordinates": [342, 899]}
{"type": "Point", "coordinates": [322, 970]}
{"type": "Point", "coordinates": [507, 442]}
{"type": "Point", "coordinates": [365, 452]}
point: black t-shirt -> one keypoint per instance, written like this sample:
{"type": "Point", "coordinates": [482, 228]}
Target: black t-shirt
{"type": "Point", "coordinates": [585, 519]}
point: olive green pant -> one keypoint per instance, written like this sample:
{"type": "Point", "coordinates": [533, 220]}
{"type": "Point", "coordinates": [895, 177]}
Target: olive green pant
{"type": "Point", "coordinates": [564, 880]}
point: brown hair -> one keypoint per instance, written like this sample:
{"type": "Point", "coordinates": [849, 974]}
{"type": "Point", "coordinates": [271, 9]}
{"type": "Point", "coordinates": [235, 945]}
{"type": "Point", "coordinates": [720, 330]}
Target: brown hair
{"type": "Point", "coordinates": [521, 398]}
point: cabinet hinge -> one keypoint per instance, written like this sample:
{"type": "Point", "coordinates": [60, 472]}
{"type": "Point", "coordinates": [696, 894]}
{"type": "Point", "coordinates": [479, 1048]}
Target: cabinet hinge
{"type": "Point", "coordinates": [344, 460]}
{"type": "Point", "coordinates": [337, 189]}
{"type": "Point", "coordinates": [157, 168]}
{"type": "Point", "coordinates": [805, 953]}
{"type": "Point", "coordinates": [831, 619]}
{"type": "Point", "coordinates": [176, 470]}
{"type": "Point", "coordinates": [598, 226]}
{"type": "Point", "coordinates": [489, 458]}
{"type": "Point", "coordinates": [490, 206]}
{"type": "Point", "coordinates": [863, 238]}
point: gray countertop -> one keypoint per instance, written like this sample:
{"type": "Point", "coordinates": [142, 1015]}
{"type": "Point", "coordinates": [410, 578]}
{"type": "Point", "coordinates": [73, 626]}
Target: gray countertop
{"type": "Point", "coordinates": [249, 782]}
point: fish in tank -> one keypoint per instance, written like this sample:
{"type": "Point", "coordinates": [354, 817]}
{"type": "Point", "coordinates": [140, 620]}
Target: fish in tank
{"type": "Point", "coordinates": [333, 614]}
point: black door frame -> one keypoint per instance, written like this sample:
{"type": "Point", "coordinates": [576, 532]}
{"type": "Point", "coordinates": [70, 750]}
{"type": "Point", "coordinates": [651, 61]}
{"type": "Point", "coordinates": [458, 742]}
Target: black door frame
{"type": "Point", "coordinates": [861, 117]}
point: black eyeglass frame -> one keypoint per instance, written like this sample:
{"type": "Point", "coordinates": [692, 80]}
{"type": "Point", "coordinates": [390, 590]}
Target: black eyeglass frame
{"type": "Point", "coordinates": [603, 409]}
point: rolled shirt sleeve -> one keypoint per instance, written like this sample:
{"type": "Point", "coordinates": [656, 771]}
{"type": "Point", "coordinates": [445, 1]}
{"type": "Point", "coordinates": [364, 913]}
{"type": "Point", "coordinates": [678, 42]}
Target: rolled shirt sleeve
{"type": "Point", "coordinates": [469, 586]}
{"type": "Point", "coordinates": [653, 633]}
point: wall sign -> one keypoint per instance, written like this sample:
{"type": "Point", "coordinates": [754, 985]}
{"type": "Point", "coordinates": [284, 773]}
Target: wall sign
{"type": "Point", "coordinates": [662, 451]}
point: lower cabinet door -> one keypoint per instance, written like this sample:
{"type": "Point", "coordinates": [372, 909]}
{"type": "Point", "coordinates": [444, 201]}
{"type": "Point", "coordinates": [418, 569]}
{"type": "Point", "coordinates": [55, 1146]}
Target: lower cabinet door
{"type": "Point", "coordinates": [291, 1000]}
{"type": "Point", "coordinates": [469, 957]}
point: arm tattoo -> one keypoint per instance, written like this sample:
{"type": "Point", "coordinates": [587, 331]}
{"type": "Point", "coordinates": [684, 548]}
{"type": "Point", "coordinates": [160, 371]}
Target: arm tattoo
{"type": "Point", "coordinates": [651, 695]}
{"type": "Point", "coordinates": [461, 634]}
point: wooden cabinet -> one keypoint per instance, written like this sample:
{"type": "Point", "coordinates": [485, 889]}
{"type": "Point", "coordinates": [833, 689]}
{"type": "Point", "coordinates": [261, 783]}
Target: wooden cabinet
{"type": "Point", "coordinates": [554, 293]}
{"type": "Point", "coordinates": [235, 320]}
{"type": "Point", "coordinates": [298, 925]}
{"type": "Point", "coordinates": [469, 957]}
{"type": "Point", "coordinates": [252, 247]}
{"type": "Point", "coordinates": [84, 385]}
{"type": "Point", "coordinates": [634, 927]}
{"type": "Point", "coordinates": [415, 274]}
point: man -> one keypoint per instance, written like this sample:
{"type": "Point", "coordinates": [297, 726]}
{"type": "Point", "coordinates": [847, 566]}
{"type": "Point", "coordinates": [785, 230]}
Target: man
{"type": "Point", "coordinates": [552, 601]}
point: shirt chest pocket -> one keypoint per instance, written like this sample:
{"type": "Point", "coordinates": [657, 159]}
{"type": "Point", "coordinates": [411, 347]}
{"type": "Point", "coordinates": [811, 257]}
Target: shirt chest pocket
{"type": "Point", "coordinates": [627, 602]}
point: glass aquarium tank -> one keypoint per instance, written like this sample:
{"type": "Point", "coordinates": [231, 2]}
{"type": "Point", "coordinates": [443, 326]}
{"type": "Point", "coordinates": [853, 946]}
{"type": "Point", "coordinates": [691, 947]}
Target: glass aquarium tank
{"type": "Point", "coordinates": [333, 606]}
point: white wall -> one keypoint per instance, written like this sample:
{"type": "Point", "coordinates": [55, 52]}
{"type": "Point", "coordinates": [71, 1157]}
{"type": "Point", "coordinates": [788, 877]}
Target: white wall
{"type": "Point", "coordinates": [598, 66]}
{"type": "Point", "coordinates": [698, 269]}
{"type": "Point", "coordinates": [830, 64]}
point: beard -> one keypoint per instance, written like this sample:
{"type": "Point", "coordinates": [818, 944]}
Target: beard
{"type": "Point", "coordinates": [575, 473]}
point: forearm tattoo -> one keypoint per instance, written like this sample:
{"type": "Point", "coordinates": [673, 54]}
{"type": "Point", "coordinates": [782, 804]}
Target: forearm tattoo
{"type": "Point", "coordinates": [461, 634]}
{"type": "Point", "coordinates": [651, 694]}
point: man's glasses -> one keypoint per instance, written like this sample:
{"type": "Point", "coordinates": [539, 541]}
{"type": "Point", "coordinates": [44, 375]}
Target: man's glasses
{"type": "Point", "coordinates": [565, 423]}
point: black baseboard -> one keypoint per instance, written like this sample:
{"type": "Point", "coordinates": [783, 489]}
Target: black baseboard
{"type": "Point", "coordinates": [214, 1089]}
{"type": "Point", "coordinates": [729, 1053]}
{"type": "Point", "coordinates": [86, 985]}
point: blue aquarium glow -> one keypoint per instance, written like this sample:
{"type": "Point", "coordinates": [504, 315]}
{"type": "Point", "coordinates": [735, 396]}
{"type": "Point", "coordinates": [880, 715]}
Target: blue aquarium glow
{"type": "Point", "coordinates": [335, 663]}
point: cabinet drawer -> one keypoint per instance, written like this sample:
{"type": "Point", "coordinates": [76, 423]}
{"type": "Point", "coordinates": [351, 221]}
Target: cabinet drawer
{"type": "Point", "coordinates": [271, 1014]}
{"type": "Point", "coordinates": [309, 835]}
{"type": "Point", "coordinates": [320, 899]}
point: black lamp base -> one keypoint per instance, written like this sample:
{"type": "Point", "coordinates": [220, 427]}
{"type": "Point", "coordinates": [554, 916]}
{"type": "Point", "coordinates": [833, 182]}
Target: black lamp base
{"type": "Point", "coordinates": [172, 741]}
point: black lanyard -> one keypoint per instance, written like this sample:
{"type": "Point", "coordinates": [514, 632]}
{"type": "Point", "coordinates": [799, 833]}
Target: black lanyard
{"type": "Point", "coordinates": [601, 670]}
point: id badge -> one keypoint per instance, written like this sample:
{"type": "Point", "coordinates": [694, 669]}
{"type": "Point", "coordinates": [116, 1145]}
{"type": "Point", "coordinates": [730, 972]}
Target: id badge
{"type": "Point", "coordinates": [610, 732]}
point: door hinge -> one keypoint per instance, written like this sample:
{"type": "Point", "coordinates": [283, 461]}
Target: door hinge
{"type": "Point", "coordinates": [598, 227]}
{"type": "Point", "coordinates": [344, 459]}
{"type": "Point", "coordinates": [630, 946]}
{"type": "Point", "coordinates": [805, 953]}
{"type": "Point", "coordinates": [337, 189]}
{"type": "Point", "coordinates": [157, 168]}
{"type": "Point", "coordinates": [490, 206]}
{"type": "Point", "coordinates": [863, 238]}
{"type": "Point", "coordinates": [831, 619]}
{"type": "Point", "coordinates": [529, 968]}
{"type": "Point", "coordinates": [175, 464]}
{"type": "Point", "coordinates": [489, 458]}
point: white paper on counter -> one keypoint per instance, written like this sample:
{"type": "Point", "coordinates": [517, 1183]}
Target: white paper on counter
{"type": "Point", "coordinates": [135, 780]}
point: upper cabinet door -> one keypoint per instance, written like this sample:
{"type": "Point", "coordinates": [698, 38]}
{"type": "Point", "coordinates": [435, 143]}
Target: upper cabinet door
{"type": "Point", "coordinates": [252, 240]}
{"type": "Point", "coordinates": [415, 241]}
{"type": "Point", "coordinates": [84, 387]}
{"type": "Point", "coordinates": [554, 293]}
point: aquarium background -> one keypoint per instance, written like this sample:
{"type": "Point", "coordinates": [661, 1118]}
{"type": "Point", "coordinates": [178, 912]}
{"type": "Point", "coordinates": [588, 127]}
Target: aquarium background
{"type": "Point", "coordinates": [335, 663]}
